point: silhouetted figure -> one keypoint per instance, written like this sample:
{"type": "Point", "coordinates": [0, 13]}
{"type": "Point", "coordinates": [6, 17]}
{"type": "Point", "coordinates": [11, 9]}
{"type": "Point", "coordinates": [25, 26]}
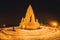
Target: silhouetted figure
{"type": "Point", "coordinates": [13, 29]}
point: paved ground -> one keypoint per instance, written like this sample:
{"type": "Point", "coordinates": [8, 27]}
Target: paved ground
{"type": "Point", "coordinates": [45, 33]}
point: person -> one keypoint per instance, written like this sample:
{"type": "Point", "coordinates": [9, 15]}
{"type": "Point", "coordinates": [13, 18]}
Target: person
{"type": "Point", "coordinates": [13, 29]}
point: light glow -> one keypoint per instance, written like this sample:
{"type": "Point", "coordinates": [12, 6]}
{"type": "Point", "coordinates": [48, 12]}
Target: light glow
{"type": "Point", "coordinates": [53, 23]}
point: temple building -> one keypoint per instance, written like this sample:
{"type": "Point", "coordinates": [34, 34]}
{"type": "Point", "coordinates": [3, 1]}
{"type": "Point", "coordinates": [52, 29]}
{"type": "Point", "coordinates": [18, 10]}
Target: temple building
{"type": "Point", "coordinates": [29, 22]}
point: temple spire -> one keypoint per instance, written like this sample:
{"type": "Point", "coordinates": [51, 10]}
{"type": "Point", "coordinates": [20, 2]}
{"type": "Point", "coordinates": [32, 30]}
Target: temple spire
{"type": "Point", "coordinates": [29, 21]}
{"type": "Point", "coordinates": [30, 14]}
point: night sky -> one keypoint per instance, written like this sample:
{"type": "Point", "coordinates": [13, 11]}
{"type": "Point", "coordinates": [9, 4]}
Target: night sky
{"type": "Point", "coordinates": [11, 11]}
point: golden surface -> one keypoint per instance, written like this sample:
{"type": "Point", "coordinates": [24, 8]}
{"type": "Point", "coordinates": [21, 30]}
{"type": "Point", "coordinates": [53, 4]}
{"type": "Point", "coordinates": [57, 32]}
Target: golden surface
{"type": "Point", "coordinates": [29, 22]}
{"type": "Point", "coordinates": [45, 33]}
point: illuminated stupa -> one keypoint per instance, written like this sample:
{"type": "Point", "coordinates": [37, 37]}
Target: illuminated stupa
{"type": "Point", "coordinates": [29, 22]}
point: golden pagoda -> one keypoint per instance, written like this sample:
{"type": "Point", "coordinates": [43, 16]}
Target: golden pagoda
{"type": "Point", "coordinates": [29, 22]}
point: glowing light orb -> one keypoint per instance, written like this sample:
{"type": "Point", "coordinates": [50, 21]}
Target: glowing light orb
{"type": "Point", "coordinates": [23, 26]}
{"type": "Point", "coordinates": [3, 25]}
{"type": "Point", "coordinates": [54, 23]}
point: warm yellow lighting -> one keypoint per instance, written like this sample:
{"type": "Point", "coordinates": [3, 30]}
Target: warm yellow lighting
{"type": "Point", "coordinates": [23, 26]}
{"type": "Point", "coordinates": [29, 22]}
{"type": "Point", "coordinates": [54, 23]}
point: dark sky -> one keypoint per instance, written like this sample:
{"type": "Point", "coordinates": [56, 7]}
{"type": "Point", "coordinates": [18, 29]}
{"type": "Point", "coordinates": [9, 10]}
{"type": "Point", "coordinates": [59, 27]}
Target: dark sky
{"type": "Point", "coordinates": [11, 11]}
